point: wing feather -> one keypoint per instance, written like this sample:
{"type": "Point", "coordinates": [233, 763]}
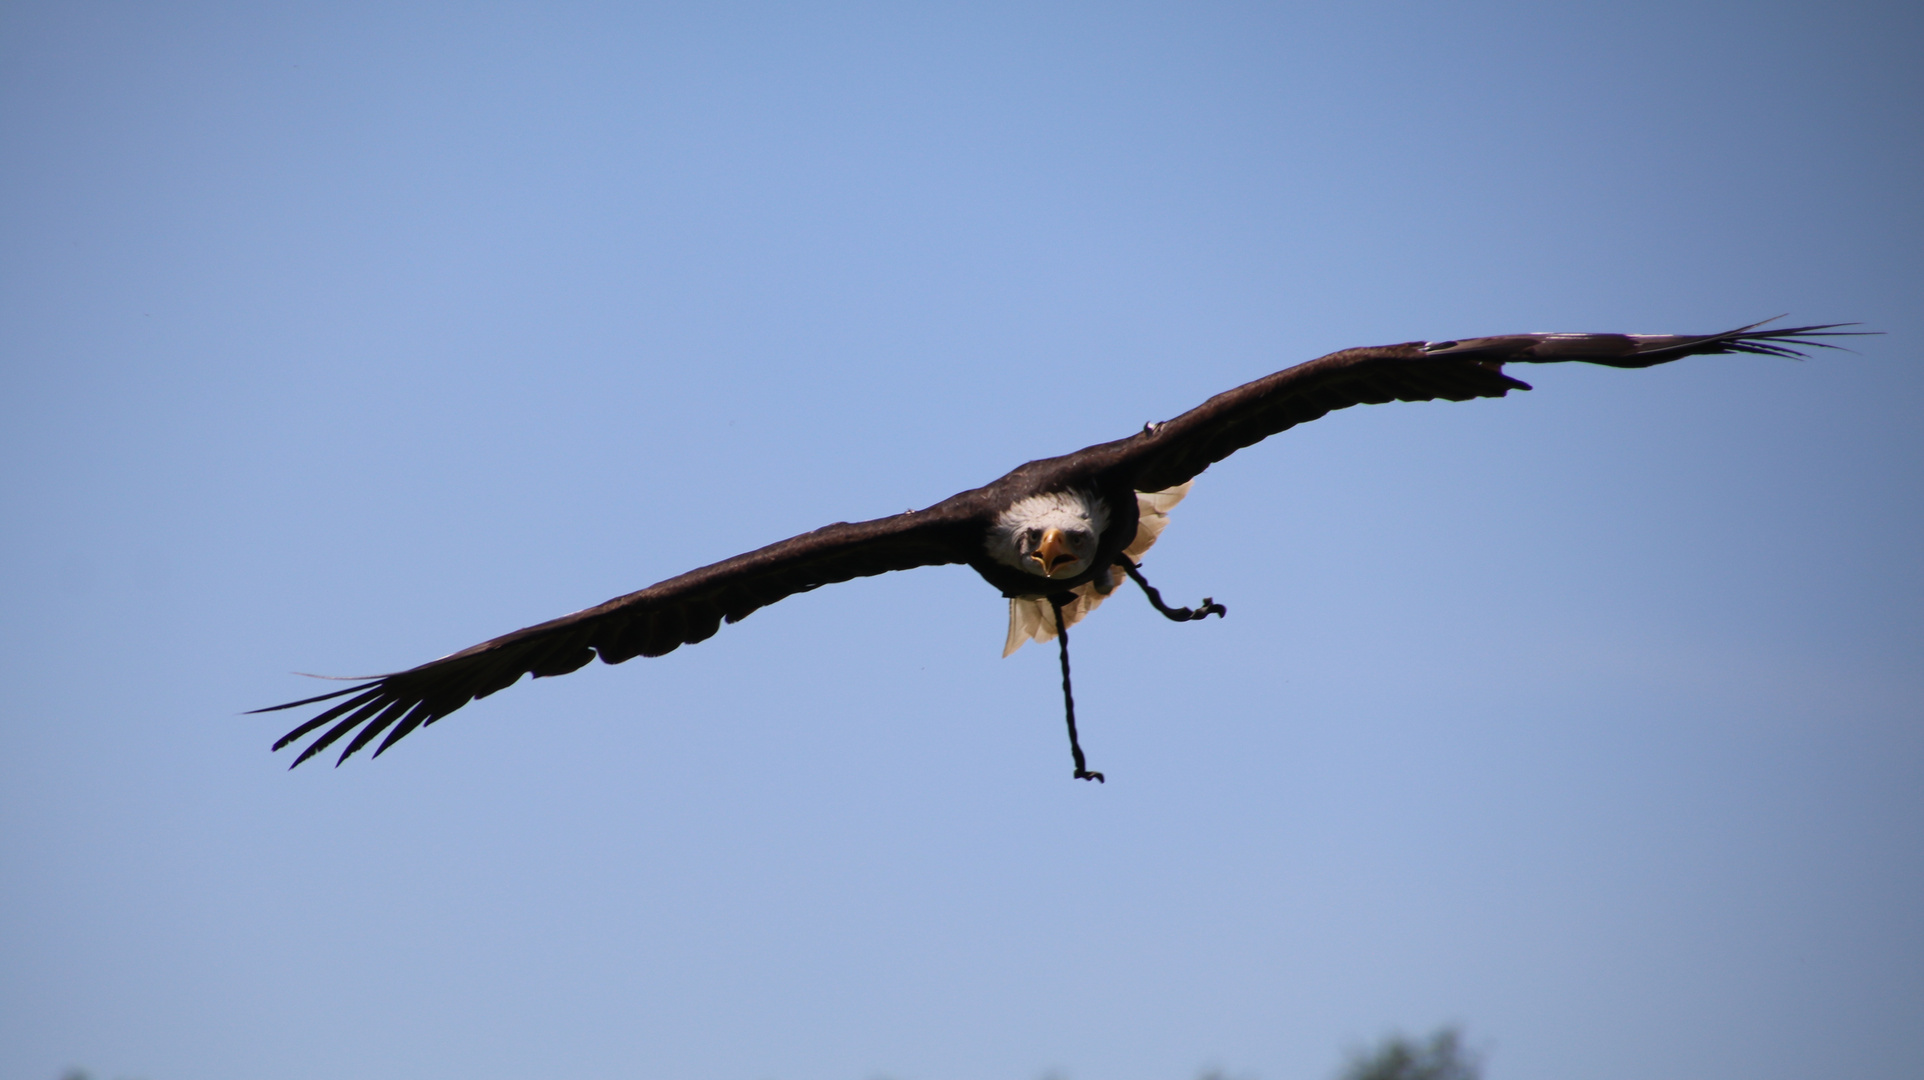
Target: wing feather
{"type": "Point", "coordinates": [1175, 452]}
{"type": "Point", "coordinates": [310, 725]}
{"type": "Point", "coordinates": [652, 622]}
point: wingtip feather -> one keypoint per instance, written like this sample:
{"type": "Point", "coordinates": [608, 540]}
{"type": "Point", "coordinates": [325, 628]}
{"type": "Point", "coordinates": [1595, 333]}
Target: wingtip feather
{"type": "Point", "coordinates": [312, 700]}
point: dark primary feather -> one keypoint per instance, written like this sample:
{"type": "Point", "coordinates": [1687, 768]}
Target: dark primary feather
{"type": "Point", "coordinates": [689, 608]}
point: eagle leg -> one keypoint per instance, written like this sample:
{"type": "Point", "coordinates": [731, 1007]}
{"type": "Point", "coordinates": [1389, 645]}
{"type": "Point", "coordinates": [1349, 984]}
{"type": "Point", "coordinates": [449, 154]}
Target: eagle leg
{"type": "Point", "coordinates": [1182, 614]}
{"type": "Point", "coordinates": [1056, 601]}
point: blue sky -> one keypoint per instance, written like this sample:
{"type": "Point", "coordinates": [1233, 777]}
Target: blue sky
{"type": "Point", "coordinates": [335, 338]}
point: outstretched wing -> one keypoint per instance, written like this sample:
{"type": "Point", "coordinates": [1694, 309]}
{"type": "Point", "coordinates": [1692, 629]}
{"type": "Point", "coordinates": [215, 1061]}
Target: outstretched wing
{"type": "Point", "coordinates": [657, 620]}
{"type": "Point", "coordinates": [1172, 453]}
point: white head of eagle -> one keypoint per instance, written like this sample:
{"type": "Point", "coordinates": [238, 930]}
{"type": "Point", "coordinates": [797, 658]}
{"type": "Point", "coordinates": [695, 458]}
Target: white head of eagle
{"type": "Point", "coordinates": [1053, 535]}
{"type": "Point", "coordinates": [1021, 539]}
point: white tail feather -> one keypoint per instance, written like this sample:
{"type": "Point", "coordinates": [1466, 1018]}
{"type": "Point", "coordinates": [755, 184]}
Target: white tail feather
{"type": "Point", "coordinates": [1033, 619]}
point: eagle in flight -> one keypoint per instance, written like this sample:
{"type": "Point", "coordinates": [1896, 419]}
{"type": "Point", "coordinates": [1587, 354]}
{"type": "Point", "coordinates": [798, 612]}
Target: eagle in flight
{"type": "Point", "coordinates": [1055, 536]}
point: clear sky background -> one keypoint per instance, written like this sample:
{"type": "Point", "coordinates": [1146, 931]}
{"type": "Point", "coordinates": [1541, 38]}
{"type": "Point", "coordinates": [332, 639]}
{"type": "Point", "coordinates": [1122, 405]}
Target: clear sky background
{"type": "Point", "coordinates": [340, 337]}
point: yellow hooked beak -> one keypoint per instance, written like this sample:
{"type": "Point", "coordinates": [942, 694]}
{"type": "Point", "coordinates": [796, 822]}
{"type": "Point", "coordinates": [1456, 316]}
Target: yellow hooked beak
{"type": "Point", "coordinates": [1054, 554]}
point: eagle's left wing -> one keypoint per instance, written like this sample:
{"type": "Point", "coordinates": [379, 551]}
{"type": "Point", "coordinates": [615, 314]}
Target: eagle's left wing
{"type": "Point", "coordinates": [1172, 453]}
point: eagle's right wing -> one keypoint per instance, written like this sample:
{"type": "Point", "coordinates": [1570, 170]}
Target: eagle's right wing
{"type": "Point", "coordinates": [657, 620]}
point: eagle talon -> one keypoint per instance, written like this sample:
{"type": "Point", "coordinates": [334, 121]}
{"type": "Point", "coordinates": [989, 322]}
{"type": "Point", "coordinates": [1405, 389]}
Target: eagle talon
{"type": "Point", "coordinates": [1181, 614]}
{"type": "Point", "coordinates": [1085, 774]}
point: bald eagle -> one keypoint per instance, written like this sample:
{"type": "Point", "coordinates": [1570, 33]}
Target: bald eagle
{"type": "Point", "coordinates": [1056, 536]}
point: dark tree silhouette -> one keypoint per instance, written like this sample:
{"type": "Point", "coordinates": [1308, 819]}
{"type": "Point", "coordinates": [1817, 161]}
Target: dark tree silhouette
{"type": "Point", "coordinates": [1442, 1057]}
